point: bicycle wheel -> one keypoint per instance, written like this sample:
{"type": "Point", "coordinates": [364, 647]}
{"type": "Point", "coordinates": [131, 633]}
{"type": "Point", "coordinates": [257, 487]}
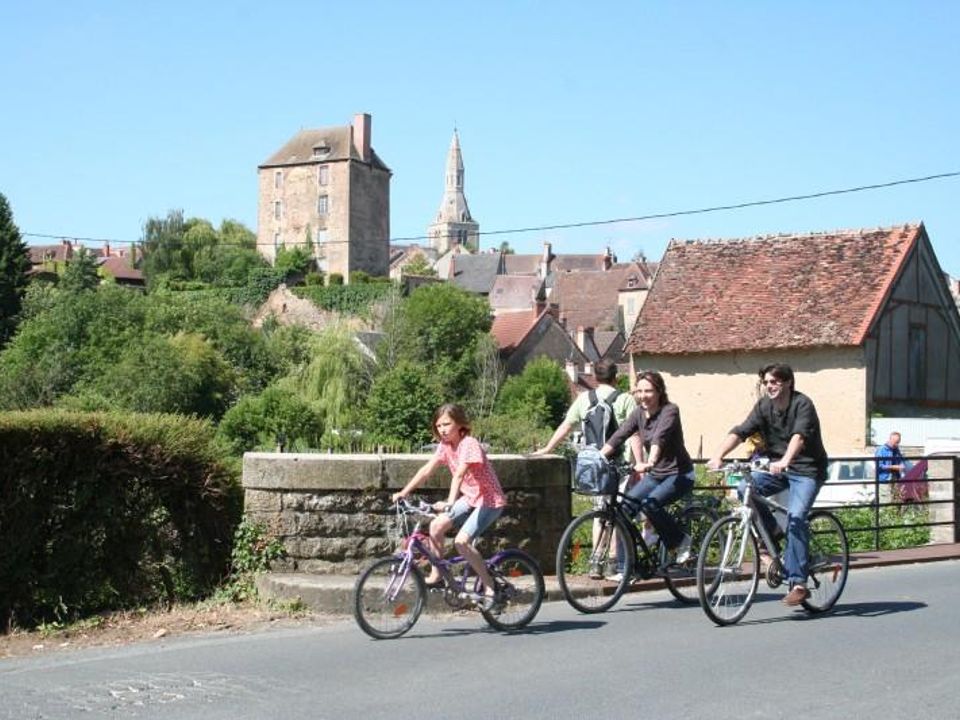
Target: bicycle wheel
{"type": "Point", "coordinates": [681, 580]}
{"type": "Point", "coordinates": [829, 561]}
{"type": "Point", "coordinates": [587, 557]}
{"type": "Point", "coordinates": [388, 598]}
{"type": "Point", "coordinates": [728, 571]}
{"type": "Point", "coordinates": [520, 589]}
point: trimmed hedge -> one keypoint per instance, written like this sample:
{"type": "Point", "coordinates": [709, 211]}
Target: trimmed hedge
{"type": "Point", "coordinates": [109, 511]}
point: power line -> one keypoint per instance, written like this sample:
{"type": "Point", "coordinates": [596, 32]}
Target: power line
{"type": "Point", "coordinates": [595, 223]}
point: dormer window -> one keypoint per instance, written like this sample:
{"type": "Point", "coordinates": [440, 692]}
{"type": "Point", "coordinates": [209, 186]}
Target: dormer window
{"type": "Point", "coordinates": [321, 149]}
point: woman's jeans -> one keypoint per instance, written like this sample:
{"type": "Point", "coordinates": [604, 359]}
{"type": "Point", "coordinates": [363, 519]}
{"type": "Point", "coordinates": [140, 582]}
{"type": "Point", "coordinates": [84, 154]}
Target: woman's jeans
{"type": "Point", "coordinates": [655, 495]}
{"type": "Point", "coordinates": [803, 491]}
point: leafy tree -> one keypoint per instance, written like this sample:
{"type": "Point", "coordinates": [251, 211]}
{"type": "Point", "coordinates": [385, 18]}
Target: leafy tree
{"type": "Point", "coordinates": [488, 377]}
{"type": "Point", "coordinates": [511, 434]}
{"type": "Point", "coordinates": [401, 404]}
{"type": "Point", "coordinates": [182, 374]}
{"type": "Point", "coordinates": [163, 247]}
{"type": "Point", "coordinates": [540, 392]}
{"type": "Point", "coordinates": [276, 415]}
{"type": "Point", "coordinates": [506, 249]}
{"type": "Point", "coordinates": [420, 265]}
{"type": "Point", "coordinates": [14, 264]}
{"type": "Point", "coordinates": [335, 379]}
{"type": "Point", "coordinates": [295, 260]}
{"type": "Point", "coordinates": [439, 326]}
{"type": "Point", "coordinates": [80, 273]}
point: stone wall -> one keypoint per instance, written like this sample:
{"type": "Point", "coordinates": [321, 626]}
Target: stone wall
{"type": "Point", "coordinates": [332, 512]}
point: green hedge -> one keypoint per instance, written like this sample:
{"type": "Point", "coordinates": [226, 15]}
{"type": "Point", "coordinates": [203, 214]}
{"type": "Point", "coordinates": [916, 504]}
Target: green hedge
{"type": "Point", "coordinates": [109, 511]}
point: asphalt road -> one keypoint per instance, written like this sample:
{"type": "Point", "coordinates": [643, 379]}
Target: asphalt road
{"type": "Point", "coordinates": [891, 649]}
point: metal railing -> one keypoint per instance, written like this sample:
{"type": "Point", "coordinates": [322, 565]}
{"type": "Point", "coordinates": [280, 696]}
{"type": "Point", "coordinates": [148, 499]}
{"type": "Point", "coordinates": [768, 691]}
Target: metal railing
{"type": "Point", "coordinates": [892, 514]}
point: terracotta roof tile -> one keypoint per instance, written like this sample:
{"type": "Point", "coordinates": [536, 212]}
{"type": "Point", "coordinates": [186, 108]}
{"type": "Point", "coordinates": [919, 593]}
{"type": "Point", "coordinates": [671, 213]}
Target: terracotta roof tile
{"type": "Point", "coordinates": [819, 289]}
{"type": "Point", "coordinates": [509, 329]}
{"type": "Point", "coordinates": [589, 298]}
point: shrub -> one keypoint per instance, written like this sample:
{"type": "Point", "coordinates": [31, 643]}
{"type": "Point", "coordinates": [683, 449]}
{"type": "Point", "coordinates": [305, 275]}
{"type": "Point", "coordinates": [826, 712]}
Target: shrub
{"type": "Point", "coordinates": [109, 511]}
{"type": "Point", "coordinates": [511, 434]}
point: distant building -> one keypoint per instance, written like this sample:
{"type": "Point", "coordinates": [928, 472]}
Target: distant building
{"type": "Point", "coordinates": [326, 189]}
{"type": "Point", "coordinates": [454, 224]}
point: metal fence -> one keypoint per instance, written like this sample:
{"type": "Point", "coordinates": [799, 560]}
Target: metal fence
{"type": "Point", "coordinates": [921, 508]}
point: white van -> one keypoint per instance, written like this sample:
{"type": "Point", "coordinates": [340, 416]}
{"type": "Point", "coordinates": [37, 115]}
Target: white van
{"type": "Point", "coordinates": [842, 487]}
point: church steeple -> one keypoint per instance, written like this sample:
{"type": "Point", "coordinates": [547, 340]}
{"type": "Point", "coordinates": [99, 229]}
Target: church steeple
{"type": "Point", "coordinates": [454, 225]}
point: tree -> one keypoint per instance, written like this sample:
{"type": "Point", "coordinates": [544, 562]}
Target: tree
{"type": "Point", "coordinates": [419, 266]}
{"type": "Point", "coordinates": [14, 264]}
{"type": "Point", "coordinates": [295, 260]}
{"type": "Point", "coordinates": [80, 273]}
{"type": "Point", "coordinates": [540, 391]}
{"type": "Point", "coordinates": [162, 245]}
{"type": "Point", "coordinates": [505, 248]}
{"type": "Point", "coordinates": [439, 326]}
{"type": "Point", "coordinates": [401, 404]}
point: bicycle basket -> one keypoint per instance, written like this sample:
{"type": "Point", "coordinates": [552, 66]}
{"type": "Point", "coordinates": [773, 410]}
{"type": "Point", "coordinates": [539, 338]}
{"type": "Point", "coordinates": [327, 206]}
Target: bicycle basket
{"type": "Point", "coordinates": [593, 474]}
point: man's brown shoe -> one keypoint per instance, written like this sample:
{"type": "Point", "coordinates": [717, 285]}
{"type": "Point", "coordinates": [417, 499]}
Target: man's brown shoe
{"type": "Point", "coordinates": [797, 594]}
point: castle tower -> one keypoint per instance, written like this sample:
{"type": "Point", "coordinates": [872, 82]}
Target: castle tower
{"type": "Point", "coordinates": [454, 225]}
{"type": "Point", "coordinates": [328, 191]}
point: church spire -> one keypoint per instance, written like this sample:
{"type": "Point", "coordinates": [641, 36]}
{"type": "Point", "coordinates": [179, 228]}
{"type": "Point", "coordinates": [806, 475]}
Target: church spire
{"type": "Point", "coordinates": [454, 225]}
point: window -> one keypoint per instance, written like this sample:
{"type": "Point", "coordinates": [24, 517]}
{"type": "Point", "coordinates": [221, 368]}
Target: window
{"type": "Point", "coordinates": [276, 240]}
{"type": "Point", "coordinates": [278, 179]}
{"type": "Point", "coordinates": [323, 175]}
{"type": "Point", "coordinates": [323, 205]}
{"type": "Point", "coordinates": [277, 210]}
{"type": "Point", "coordinates": [321, 149]}
{"type": "Point", "coordinates": [631, 306]}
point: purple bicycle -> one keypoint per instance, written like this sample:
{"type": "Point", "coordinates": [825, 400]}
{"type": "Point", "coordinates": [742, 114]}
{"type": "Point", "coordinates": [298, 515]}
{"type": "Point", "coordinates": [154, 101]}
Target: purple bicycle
{"type": "Point", "coordinates": [391, 592]}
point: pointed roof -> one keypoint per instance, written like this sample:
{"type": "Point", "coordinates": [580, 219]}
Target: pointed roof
{"type": "Point", "coordinates": [782, 291]}
{"type": "Point", "coordinates": [453, 206]}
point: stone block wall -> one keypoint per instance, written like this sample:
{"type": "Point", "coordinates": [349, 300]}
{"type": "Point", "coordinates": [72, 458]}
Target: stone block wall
{"type": "Point", "coordinates": [332, 512]}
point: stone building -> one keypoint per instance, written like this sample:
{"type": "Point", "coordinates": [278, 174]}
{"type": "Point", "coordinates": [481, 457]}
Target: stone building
{"type": "Point", "coordinates": [326, 189]}
{"type": "Point", "coordinates": [454, 224]}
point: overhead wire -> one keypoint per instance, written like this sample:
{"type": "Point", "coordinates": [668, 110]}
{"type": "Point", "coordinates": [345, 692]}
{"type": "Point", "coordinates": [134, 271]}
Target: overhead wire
{"type": "Point", "coordinates": [589, 223]}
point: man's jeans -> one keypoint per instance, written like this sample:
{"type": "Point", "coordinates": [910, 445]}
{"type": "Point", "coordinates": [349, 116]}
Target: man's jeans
{"type": "Point", "coordinates": [803, 491]}
{"type": "Point", "coordinates": [655, 495]}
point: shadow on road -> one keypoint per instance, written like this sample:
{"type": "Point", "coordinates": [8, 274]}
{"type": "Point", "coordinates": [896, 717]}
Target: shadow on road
{"type": "Point", "coordinates": [534, 628]}
{"type": "Point", "coordinates": [840, 610]}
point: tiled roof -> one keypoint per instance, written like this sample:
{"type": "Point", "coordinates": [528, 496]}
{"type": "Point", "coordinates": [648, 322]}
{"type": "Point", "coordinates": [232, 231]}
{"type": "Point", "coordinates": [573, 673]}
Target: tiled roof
{"type": "Point", "coordinates": [119, 268]}
{"type": "Point", "coordinates": [589, 298]}
{"type": "Point", "coordinates": [60, 252]}
{"type": "Point", "coordinates": [300, 148]}
{"type": "Point", "coordinates": [784, 291]}
{"type": "Point", "coordinates": [514, 264]}
{"type": "Point", "coordinates": [476, 273]}
{"type": "Point", "coordinates": [515, 292]}
{"type": "Point", "coordinates": [509, 329]}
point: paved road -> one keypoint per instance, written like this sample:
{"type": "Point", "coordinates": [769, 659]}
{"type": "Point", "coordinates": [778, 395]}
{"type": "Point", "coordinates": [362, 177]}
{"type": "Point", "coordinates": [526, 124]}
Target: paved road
{"type": "Point", "coordinates": [891, 649]}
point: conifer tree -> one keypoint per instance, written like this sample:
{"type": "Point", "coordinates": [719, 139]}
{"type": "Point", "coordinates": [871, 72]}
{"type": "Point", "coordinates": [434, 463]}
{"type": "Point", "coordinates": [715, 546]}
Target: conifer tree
{"type": "Point", "coordinates": [14, 264]}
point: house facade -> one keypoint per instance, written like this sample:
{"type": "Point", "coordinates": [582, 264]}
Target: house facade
{"type": "Point", "coordinates": [327, 190]}
{"type": "Point", "coordinates": [863, 316]}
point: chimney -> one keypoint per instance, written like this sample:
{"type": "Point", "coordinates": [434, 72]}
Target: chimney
{"type": "Point", "coordinates": [106, 250]}
{"type": "Point", "coordinates": [571, 371]}
{"type": "Point", "coordinates": [608, 258]}
{"type": "Point", "coordinates": [361, 135]}
{"type": "Point", "coordinates": [545, 259]}
{"type": "Point", "coordinates": [584, 338]}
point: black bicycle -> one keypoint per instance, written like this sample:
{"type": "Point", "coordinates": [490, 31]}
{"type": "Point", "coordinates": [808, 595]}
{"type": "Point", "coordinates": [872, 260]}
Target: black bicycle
{"type": "Point", "coordinates": [730, 563]}
{"type": "Point", "coordinates": [603, 551]}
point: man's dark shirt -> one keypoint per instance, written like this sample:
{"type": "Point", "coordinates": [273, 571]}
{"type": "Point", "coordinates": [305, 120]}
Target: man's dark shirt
{"type": "Point", "coordinates": [800, 418]}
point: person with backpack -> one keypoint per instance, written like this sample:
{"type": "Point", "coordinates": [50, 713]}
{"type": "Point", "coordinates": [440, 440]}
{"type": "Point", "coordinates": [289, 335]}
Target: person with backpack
{"type": "Point", "coordinates": [667, 473]}
{"type": "Point", "coordinates": [597, 413]}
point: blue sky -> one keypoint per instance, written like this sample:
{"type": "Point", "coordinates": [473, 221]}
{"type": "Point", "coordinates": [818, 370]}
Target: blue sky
{"type": "Point", "coordinates": [113, 112]}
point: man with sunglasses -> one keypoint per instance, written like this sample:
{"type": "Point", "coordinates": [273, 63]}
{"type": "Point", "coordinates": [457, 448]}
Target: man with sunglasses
{"type": "Point", "coordinates": [788, 423]}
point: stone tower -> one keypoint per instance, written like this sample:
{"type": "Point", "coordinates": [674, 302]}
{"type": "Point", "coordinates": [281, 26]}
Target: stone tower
{"type": "Point", "coordinates": [327, 190]}
{"type": "Point", "coordinates": [454, 225]}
